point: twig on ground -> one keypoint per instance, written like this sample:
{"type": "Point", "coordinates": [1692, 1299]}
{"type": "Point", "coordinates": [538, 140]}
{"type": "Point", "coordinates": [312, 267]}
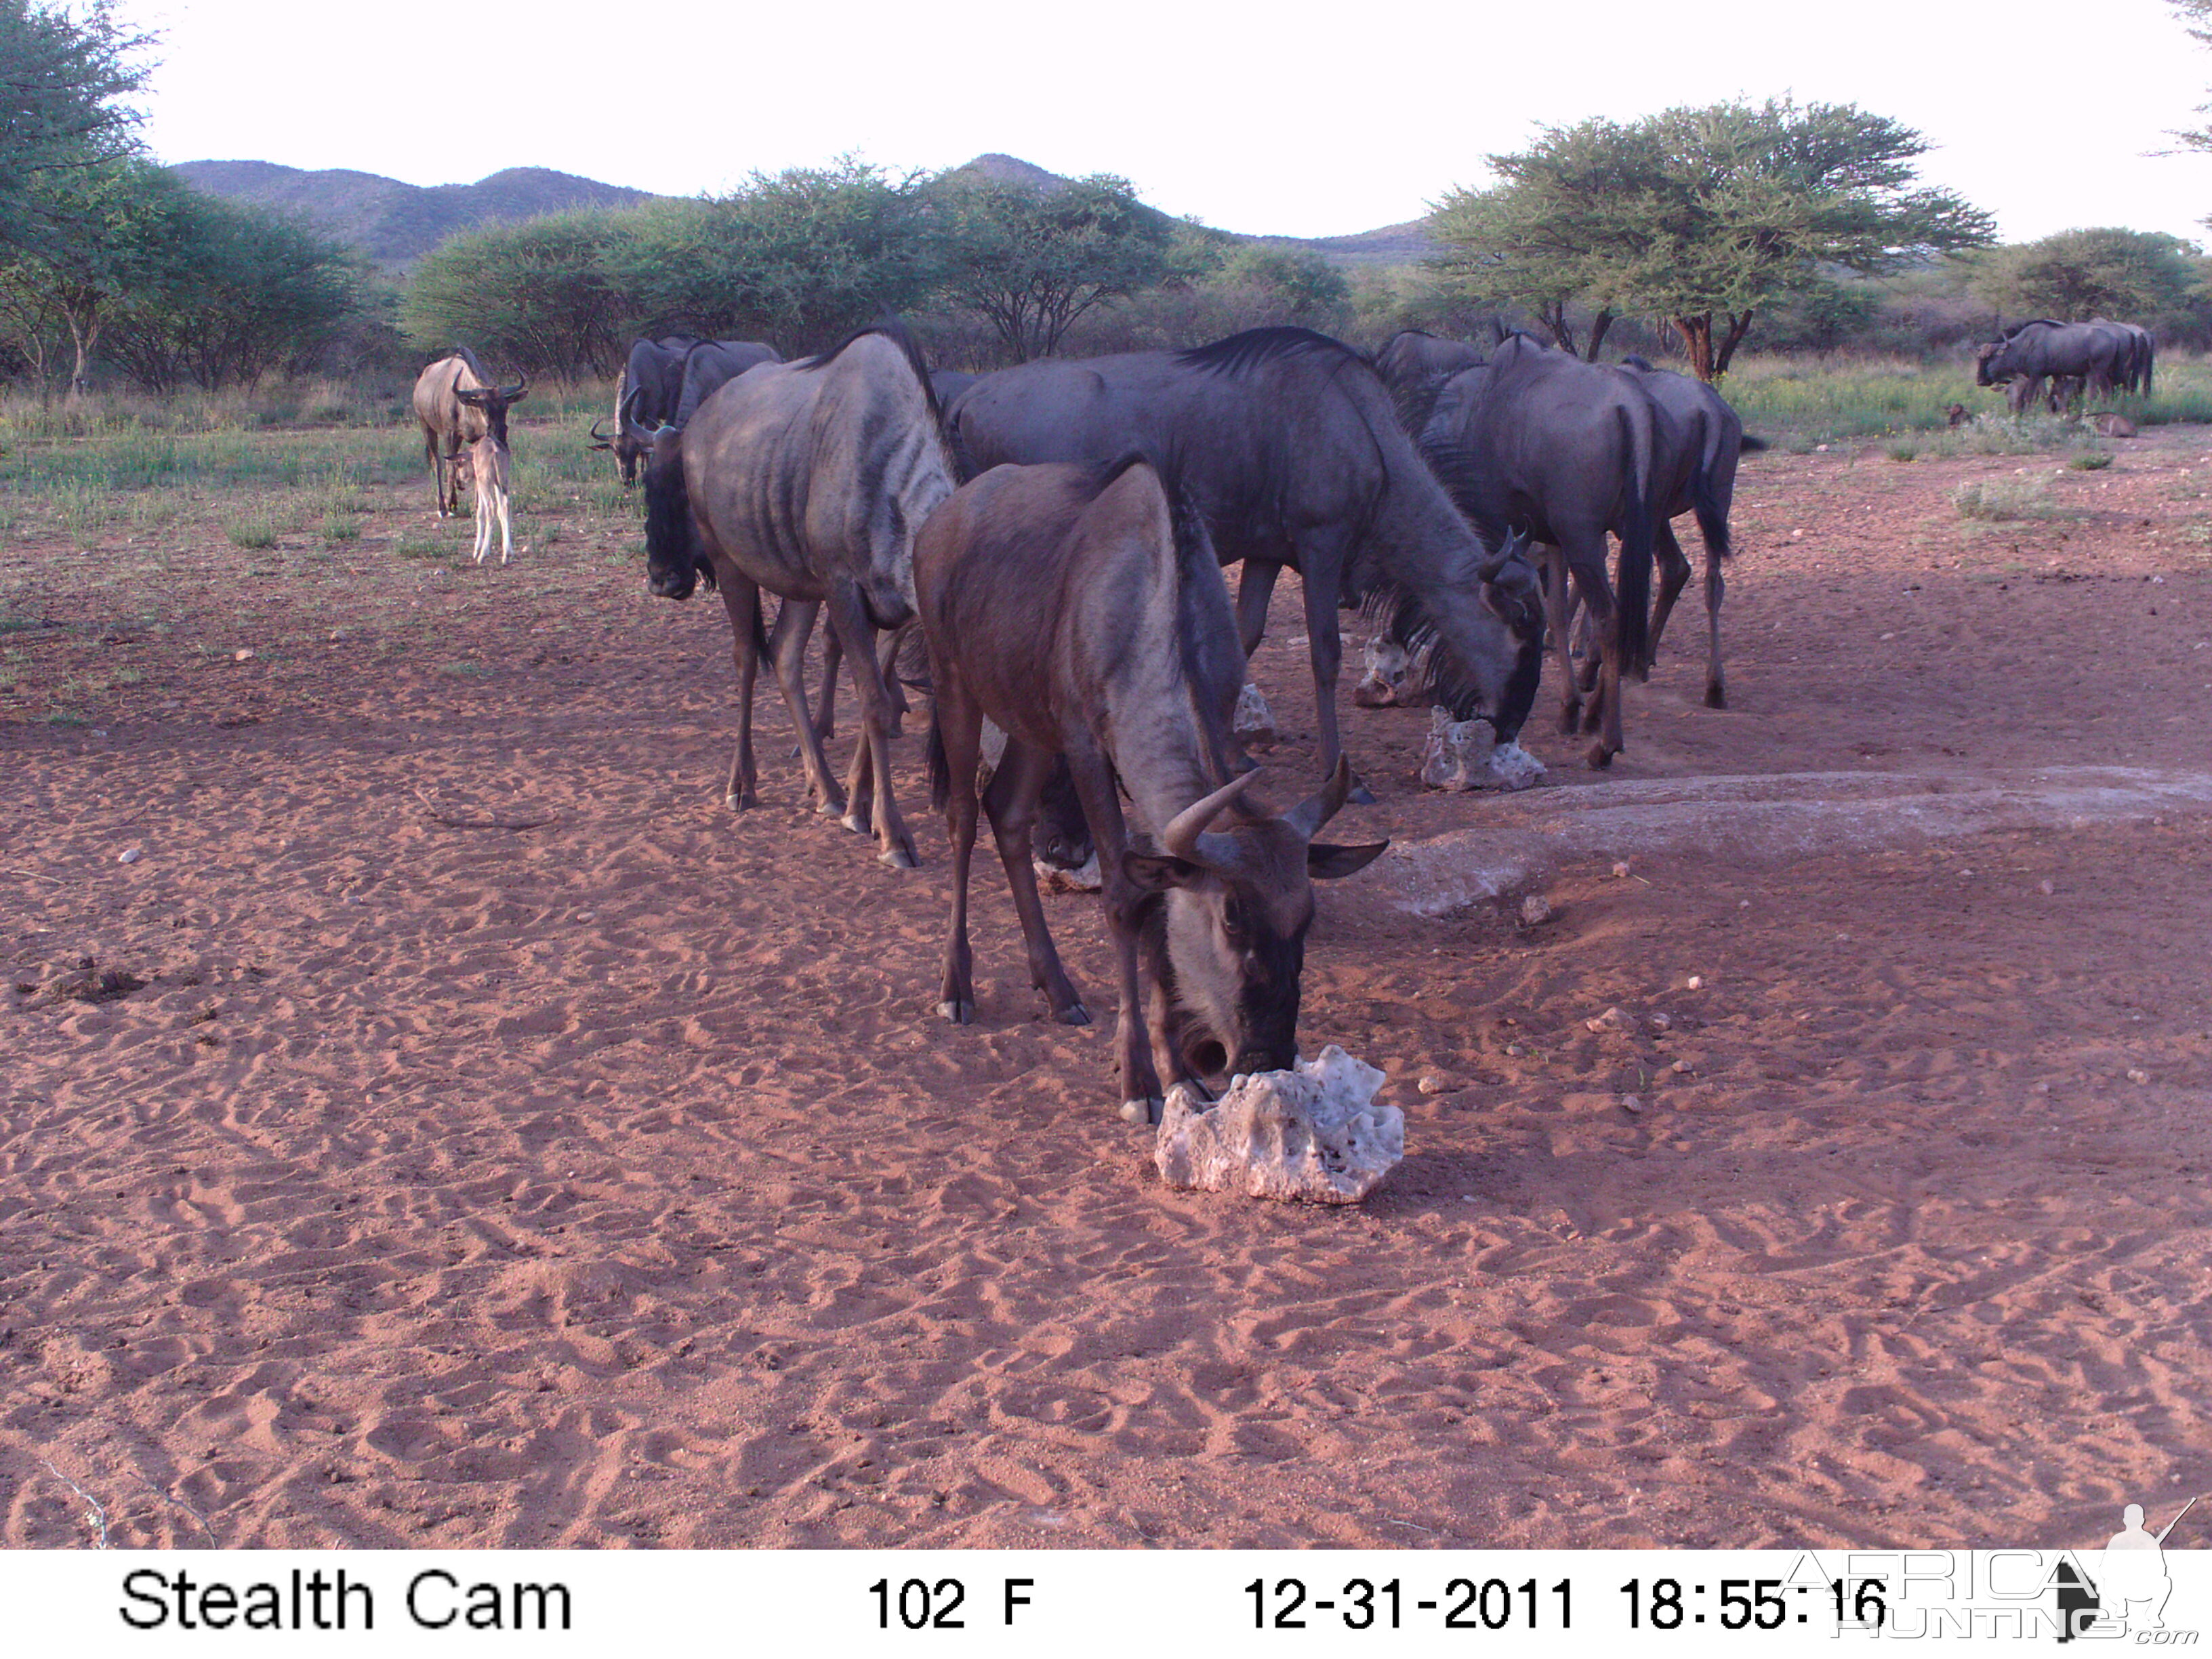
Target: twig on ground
{"type": "Point", "coordinates": [175, 1502]}
{"type": "Point", "coordinates": [34, 875]}
{"type": "Point", "coordinates": [453, 822]}
{"type": "Point", "coordinates": [94, 1512]}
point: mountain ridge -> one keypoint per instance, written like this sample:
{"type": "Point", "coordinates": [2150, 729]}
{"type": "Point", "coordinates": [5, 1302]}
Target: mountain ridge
{"type": "Point", "coordinates": [396, 223]}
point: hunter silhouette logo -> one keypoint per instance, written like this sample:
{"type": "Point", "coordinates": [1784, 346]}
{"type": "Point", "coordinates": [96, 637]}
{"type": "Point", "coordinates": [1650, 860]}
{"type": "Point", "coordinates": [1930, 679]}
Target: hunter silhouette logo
{"type": "Point", "coordinates": [2130, 1585]}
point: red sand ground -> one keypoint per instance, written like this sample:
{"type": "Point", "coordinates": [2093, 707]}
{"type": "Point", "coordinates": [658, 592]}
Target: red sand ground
{"type": "Point", "coordinates": [609, 1181]}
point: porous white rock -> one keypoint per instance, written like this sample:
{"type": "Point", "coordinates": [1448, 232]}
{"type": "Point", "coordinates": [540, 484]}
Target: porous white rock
{"type": "Point", "coordinates": [1461, 755]}
{"type": "Point", "coordinates": [1314, 1134]}
{"type": "Point", "coordinates": [1253, 721]}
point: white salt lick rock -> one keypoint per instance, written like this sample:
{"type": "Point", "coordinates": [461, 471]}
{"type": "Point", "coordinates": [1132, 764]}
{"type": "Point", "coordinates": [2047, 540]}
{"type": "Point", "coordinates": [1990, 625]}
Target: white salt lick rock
{"type": "Point", "coordinates": [1459, 755]}
{"type": "Point", "coordinates": [1314, 1134]}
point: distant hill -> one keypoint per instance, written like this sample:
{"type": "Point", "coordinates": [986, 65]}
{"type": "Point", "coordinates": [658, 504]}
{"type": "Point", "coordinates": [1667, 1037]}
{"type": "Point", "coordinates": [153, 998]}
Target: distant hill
{"type": "Point", "coordinates": [398, 224]}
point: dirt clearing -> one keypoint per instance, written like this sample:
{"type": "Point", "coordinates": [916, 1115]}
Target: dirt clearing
{"type": "Point", "coordinates": [509, 1146]}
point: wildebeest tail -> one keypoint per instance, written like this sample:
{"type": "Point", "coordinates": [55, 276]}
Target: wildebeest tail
{"type": "Point", "coordinates": [1632, 608]}
{"type": "Point", "coordinates": [1705, 500]}
{"type": "Point", "coordinates": [940, 767]}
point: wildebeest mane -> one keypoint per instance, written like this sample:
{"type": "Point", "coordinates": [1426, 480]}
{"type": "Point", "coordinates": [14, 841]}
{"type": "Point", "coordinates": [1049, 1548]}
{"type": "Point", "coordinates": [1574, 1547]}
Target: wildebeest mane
{"type": "Point", "coordinates": [1241, 353]}
{"type": "Point", "coordinates": [469, 358]}
{"type": "Point", "coordinates": [897, 333]}
{"type": "Point", "coordinates": [1400, 609]}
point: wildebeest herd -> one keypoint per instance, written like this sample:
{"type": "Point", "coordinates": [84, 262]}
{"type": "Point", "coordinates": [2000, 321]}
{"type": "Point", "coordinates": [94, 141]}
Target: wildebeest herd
{"type": "Point", "coordinates": [1053, 537]}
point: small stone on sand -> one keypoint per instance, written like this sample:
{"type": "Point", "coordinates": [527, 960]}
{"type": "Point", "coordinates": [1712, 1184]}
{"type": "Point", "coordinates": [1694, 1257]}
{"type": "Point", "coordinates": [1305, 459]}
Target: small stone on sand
{"type": "Point", "coordinates": [1630, 1103]}
{"type": "Point", "coordinates": [1535, 910]}
{"type": "Point", "coordinates": [241, 656]}
{"type": "Point", "coordinates": [1663, 1022]}
{"type": "Point", "coordinates": [1435, 1083]}
{"type": "Point", "coordinates": [2136, 1074]}
{"type": "Point", "coordinates": [1612, 1019]}
{"type": "Point", "coordinates": [1697, 981]}
{"type": "Point", "coordinates": [1621, 869]}
{"type": "Point", "coordinates": [129, 855]}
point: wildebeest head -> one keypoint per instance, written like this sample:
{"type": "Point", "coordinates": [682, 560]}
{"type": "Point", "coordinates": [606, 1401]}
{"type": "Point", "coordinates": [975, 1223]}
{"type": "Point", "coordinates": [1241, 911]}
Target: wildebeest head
{"type": "Point", "coordinates": [493, 403]}
{"type": "Point", "coordinates": [1984, 358]}
{"type": "Point", "coordinates": [1238, 901]}
{"type": "Point", "coordinates": [1513, 592]}
{"type": "Point", "coordinates": [674, 560]}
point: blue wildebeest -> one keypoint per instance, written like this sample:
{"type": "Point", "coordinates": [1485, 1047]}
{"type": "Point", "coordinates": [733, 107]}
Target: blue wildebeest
{"type": "Point", "coordinates": [1081, 609]}
{"type": "Point", "coordinates": [1699, 439]}
{"type": "Point", "coordinates": [1289, 446]}
{"type": "Point", "coordinates": [2070, 356]}
{"type": "Point", "coordinates": [1540, 438]}
{"type": "Point", "coordinates": [809, 480]}
{"type": "Point", "coordinates": [649, 387]}
{"type": "Point", "coordinates": [1415, 365]}
{"type": "Point", "coordinates": [460, 407]}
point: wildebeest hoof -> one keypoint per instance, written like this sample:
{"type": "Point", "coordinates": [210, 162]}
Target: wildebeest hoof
{"type": "Point", "coordinates": [1360, 794]}
{"type": "Point", "coordinates": [1570, 719]}
{"type": "Point", "coordinates": [959, 1010]}
{"type": "Point", "coordinates": [1715, 697]}
{"type": "Point", "coordinates": [1599, 757]}
{"type": "Point", "coordinates": [902, 857]}
{"type": "Point", "coordinates": [738, 800]}
{"type": "Point", "coordinates": [857, 822]}
{"type": "Point", "coordinates": [1074, 1014]}
{"type": "Point", "coordinates": [1142, 1111]}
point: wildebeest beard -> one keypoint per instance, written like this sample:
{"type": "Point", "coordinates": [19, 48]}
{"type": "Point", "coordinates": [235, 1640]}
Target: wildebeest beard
{"type": "Point", "coordinates": [675, 562]}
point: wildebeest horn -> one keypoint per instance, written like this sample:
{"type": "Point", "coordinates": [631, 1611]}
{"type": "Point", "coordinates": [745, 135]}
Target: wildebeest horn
{"type": "Point", "coordinates": [1180, 837]}
{"type": "Point", "coordinates": [519, 388]}
{"type": "Point", "coordinates": [637, 433]}
{"type": "Point", "coordinates": [1318, 808]}
{"type": "Point", "coordinates": [1514, 547]}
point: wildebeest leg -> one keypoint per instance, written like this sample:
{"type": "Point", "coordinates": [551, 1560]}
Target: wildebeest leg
{"type": "Point", "coordinates": [1016, 784]}
{"type": "Point", "coordinates": [741, 600]}
{"type": "Point", "coordinates": [1603, 715]}
{"type": "Point", "coordinates": [1716, 586]}
{"type": "Point", "coordinates": [1255, 586]}
{"type": "Point", "coordinates": [959, 727]}
{"type": "Point", "coordinates": [1674, 575]}
{"type": "Point", "coordinates": [792, 625]}
{"type": "Point", "coordinates": [435, 457]}
{"type": "Point", "coordinates": [1558, 618]}
{"type": "Point", "coordinates": [1321, 568]}
{"type": "Point", "coordinates": [850, 619]}
{"type": "Point", "coordinates": [1134, 1039]}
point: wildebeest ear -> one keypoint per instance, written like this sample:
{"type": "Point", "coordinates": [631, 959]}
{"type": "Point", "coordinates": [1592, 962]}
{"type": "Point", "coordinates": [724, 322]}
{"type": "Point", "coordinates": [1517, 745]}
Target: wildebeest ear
{"type": "Point", "coordinates": [1325, 862]}
{"type": "Point", "coordinates": [1158, 871]}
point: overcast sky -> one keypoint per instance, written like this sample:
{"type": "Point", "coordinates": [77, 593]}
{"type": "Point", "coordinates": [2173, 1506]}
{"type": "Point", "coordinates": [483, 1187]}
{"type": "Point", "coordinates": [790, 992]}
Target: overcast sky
{"type": "Point", "coordinates": [1295, 120]}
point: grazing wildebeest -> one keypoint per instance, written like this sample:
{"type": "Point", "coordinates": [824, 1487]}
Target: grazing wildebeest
{"type": "Point", "coordinates": [1540, 438]}
{"type": "Point", "coordinates": [457, 405]}
{"type": "Point", "coordinates": [2076, 355]}
{"type": "Point", "coordinates": [1082, 609]}
{"type": "Point", "coordinates": [649, 387]}
{"type": "Point", "coordinates": [1287, 442]}
{"type": "Point", "coordinates": [1699, 438]}
{"type": "Point", "coordinates": [808, 479]}
{"type": "Point", "coordinates": [1415, 367]}
{"type": "Point", "coordinates": [709, 364]}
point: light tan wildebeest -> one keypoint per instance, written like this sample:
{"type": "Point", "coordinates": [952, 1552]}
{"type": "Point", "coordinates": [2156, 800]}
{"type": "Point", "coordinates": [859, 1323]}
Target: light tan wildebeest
{"type": "Point", "coordinates": [460, 408]}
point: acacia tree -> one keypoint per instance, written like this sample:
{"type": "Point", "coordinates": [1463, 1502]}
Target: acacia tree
{"type": "Point", "coordinates": [63, 77]}
{"type": "Point", "coordinates": [534, 294]}
{"type": "Point", "coordinates": [1031, 259]}
{"type": "Point", "coordinates": [1702, 216]}
{"type": "Point", "coordinates": [2078, 274]}
{"type": "Point", "coordinates": [801, 258]}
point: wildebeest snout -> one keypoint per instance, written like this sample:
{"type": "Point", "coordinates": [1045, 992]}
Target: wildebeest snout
{"type": "Point", "coordinates": [672, 584]}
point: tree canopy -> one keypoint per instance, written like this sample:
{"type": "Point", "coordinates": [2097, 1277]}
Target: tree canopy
{"type": "Point", "coordinates": [63, 80]}
{"type": "Point", "coordinates": [2079, 274]}
{"type": "Point", "coordinates": [1697, 214]}
{"type": "Point", "coordinates": [1030, 260]}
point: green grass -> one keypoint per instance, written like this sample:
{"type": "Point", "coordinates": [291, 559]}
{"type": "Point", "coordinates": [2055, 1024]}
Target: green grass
{"type": "Point", "coordinates": [1819, 400]}
{"type": "Point", "coordinates": [1994, 499]}
{"type": "Point", "coordinates": [253, 529]}
{"type": "Point", "coordinates": [2097, 461]}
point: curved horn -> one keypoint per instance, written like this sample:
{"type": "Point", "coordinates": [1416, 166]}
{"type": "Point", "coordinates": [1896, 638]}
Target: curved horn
{"type": "Point", "coordinates": [1514, 546]}
{"type": "Point", "coordinates": [631, 429]}
{"type": "Point", "coordinates": [1183, 829]}
{"type": "Point", "coordinates": [518, 388]}
{"type": "Point", "coordinates": [1318, 808]}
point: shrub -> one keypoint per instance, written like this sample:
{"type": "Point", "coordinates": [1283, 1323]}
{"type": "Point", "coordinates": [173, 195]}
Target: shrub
{"type": "Point", "coordinates": [2095, 461]}
{"type": "Point", "coordinates": [255, 530]}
